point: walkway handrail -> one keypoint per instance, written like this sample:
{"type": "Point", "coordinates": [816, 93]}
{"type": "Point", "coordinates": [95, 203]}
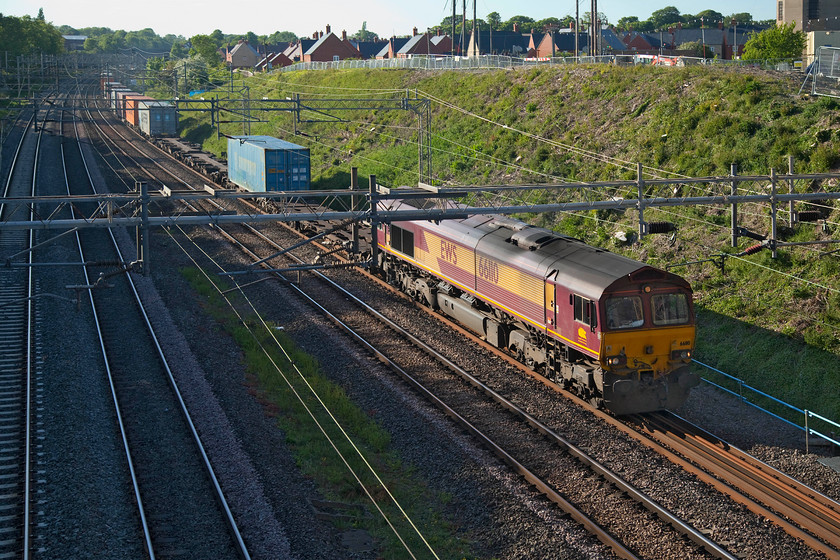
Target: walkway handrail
{"type": "Point", "coordinates": [805, 413]}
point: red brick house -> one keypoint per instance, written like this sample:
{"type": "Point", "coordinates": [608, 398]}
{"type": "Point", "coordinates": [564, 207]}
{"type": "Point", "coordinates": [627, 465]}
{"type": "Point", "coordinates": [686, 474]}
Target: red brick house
{"type": "Point", "coordinates": [329, 48]}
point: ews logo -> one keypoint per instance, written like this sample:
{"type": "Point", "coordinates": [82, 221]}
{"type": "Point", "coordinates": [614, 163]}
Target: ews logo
{"type": "Point", "coordinates": [449, 252]}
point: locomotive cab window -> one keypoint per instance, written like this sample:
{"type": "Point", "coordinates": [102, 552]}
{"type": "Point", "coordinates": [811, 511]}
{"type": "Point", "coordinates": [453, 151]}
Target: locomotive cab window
{"type": "Point", "coordinates": [670, 309]}
{"type": "Point", "coordinates": [585, 311]}
{"type": "Point", "coordinates": [402, 240]}
{"type": "Point", "coordinates": [624, 312]}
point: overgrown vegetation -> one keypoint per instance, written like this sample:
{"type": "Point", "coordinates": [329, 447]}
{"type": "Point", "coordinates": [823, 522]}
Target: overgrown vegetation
{"type": "Point", "coordinates": [590, 123]}
{"type": "Point", "coordinates": [26, 36]}
{"type": "Point", "coordinates": [288, 381]}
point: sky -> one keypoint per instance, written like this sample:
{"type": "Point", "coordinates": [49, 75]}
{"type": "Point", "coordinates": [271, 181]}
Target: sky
{"type": "Point", "coordinates": [385, 18]}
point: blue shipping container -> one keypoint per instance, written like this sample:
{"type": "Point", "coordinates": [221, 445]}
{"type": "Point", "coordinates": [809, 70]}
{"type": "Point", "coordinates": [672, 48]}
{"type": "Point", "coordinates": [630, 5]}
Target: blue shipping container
{"type": "Point", "coordinates": [265, 163]}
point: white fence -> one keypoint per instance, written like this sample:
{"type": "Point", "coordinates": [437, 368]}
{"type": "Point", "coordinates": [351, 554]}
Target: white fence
{"type": "Point", "coordinates": [437, 62]}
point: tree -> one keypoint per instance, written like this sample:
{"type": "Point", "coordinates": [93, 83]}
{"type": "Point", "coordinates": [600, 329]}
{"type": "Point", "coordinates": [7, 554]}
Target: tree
{"type": "Point", "coordinates": [628, 23]}
{"type": "Point", "coordinates": [205, 48]}
{"type": "Point", "coordinates": [494, 20]}
{"type": "Point", "coordinates": [741, 18]}
{"type": "Point", "coordinates": [218, 37]}
{"type": "Point", "coordinates": [279, 37]}
{"type": "Point", "coordinates": [548, 23]}
{"type": "Point", "coordinates": [178, 50]}
{"type": "Point", "coordinates": [25, 35]}
{"type": "Point", "coordinates": [41, 15]}
{"type": "Point", "coordinates": [363, 34]}
{"type": "Point", "coordinates": [697, 49]}
{"type": "Point", "coordinates": [775, 43]}
{"type": "Point", "coordinates": [709, 18]}
{"type": "Point", "coordinates": [667, 16]}
{"type": "Point", "coordinates": [525, 23]}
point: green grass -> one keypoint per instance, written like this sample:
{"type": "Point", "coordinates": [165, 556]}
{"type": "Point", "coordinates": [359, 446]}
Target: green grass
{"type": "Point", "coordinates": [695, 121]}
{"type": "Point", "coordinates": [287, 380]}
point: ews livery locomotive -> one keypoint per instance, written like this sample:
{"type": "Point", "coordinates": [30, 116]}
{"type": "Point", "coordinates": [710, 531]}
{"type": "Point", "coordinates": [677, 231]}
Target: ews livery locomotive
{"type": "Point", "coordinates": [616, 331]}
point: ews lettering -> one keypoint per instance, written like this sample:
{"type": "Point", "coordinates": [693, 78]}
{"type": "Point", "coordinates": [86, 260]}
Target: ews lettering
{"type": "Point", "coordinates": [449, 252]}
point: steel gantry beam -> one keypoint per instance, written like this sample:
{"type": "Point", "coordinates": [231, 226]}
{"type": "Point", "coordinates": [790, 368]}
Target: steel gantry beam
{"type": "Point", "coordinates": [120, 210]}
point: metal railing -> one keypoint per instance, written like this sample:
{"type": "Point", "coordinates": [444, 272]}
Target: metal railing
{"type": "Point", "coordinates": [483, 62]}
{"type": "Point", "coordinates": [807, 415]}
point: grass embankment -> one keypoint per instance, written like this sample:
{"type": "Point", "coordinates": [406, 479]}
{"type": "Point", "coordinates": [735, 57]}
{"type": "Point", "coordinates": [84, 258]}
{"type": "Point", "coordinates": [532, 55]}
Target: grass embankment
{"type": "Point", "coordinates": [288, 381]}
{"type": "Point", "coordinates": [594, 123]}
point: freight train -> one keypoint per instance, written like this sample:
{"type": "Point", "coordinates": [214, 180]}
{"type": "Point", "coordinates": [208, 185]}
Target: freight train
{"type": "Point", "coordinates": [615, 331]}
{"type": "Point", "coordinates": [154, 118]}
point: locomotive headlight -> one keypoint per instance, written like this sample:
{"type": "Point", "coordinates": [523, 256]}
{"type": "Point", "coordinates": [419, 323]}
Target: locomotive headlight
{"type": "Point", "coordinates": [681, 355]}
{"type": "Point", "coordinates": [617, 360]}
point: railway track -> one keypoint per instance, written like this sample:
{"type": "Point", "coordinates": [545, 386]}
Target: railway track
{"type": "Point", "coordinates": [814, 544]}
{"type": "Point", "coordinates": [18, 358]}
{"type": "Point", "coordinates": [182, 507]}
{"type": "Point", "coordinates": [524, 445]}
{"type": "Point", "coordinates": [616, 490]}
{"type": "Point", "coordinates": [799, 510]}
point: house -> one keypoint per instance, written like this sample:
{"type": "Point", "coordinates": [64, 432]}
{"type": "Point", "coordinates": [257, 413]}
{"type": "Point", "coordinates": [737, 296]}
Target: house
{"type": "Point", "coordinates": [392, 48]}
{"type": "Point", "coordinates": [295, 51]}
{"type": "Point", "coordinates": [242, 55]}
{"type": "Point", "coordinates": [273, 60]}
{"type": "Point", "coordinates": [424, 44]}
{"type": "Point", "coordinates": [369, 49]}
{"type": "Point", "coordinates": [74, 42]}
{"type": "Point", "coordinates": [329, 48]}
{"type": "Point", "coordinates": [561, 42]}
{"type": "Point", "coordinates": [639, 42]}
{"type": "Point", "coordinates": [507, 43]}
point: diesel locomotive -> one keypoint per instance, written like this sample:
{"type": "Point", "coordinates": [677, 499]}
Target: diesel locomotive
{"type": "Point", "coordinates": [617, 332]}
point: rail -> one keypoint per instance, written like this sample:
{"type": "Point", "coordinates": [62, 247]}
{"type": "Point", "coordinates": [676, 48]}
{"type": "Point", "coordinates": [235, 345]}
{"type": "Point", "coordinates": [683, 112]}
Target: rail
{"type": "Point", "coordinates": [804, 413]}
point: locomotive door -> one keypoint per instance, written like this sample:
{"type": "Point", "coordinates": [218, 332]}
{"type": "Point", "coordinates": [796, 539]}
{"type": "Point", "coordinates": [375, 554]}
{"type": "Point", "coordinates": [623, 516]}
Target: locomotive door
{"type": "Point", "coordinates": [551, 301]}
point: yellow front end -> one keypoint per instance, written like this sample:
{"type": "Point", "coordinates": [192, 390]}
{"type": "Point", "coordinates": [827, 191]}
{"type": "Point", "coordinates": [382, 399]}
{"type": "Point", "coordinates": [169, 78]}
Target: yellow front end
{"type": "Point", "coordinates": [659, 351]}
{"type": "Point", "coordinates": [647, 369]}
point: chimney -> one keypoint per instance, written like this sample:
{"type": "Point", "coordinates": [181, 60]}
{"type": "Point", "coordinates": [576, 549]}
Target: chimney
{"type": "Point", "coordinates": [328, 29]}
{"type": "Point", "coordinates": [516, 28]}
{"type": "Point", "coordinates": [414, 32]}
{"type": "Point", "coordinates": [572, 24]}
{"type": "Point", "coordinates": [320, 34]}
{"type": "Point", "coordinates": [679, 25]}
{"type": "Point", "coordinates": [315, 35]}
{"type": "Point", "coordinates": [344, 35]}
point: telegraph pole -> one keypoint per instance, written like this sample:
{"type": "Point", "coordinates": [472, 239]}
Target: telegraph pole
{"type": "Point", "coordinates": [577, 30]}
{"type": "Point", "coordinates": [453, 28]}
{"type": "Point", "coordinates": [463, 26]}
{"type": "Point", "coordinates": [477, 50]}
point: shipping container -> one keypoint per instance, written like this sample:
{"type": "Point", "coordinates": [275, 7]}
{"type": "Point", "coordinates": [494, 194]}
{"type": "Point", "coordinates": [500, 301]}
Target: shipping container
{"type": "Point", "coordinates": [104, 78]}
{"type": "Point", "coordinates": [108, 87]}
{"type": "Point", "coordinates": [132, 106]}
{"type": "Point", "coordinates": [158, 118]}
{"type": "Point", "coordinates": [120, 101]}
{"type": "Point", "coordinates": [113, 95]}
{"type": "Point", "coordinates": [265, 163]}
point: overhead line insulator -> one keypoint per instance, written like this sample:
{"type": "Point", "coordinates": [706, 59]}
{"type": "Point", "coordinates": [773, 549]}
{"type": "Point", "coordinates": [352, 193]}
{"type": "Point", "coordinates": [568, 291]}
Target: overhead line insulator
{"type": "Point", "coordinates": [661, 227]}
{"type": "Point", "coordinates": [752, 249]}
